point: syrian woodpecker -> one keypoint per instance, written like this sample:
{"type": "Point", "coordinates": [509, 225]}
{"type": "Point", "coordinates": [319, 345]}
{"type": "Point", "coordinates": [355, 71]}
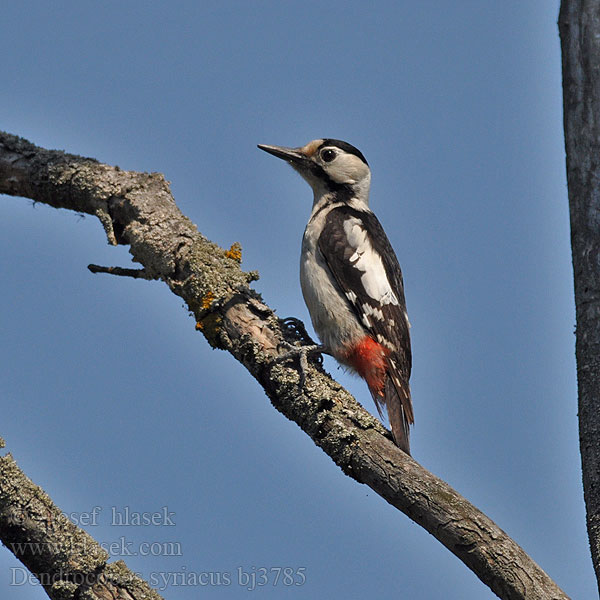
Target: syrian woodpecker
{"type": "Point", "coordinates": [351, 279]}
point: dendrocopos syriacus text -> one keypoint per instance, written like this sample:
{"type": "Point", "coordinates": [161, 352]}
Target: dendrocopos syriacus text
{"type": "Point", "coordinates": [351, 279]}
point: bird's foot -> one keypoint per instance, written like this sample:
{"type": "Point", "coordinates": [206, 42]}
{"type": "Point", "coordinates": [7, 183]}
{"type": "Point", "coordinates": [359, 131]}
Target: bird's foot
{"type": "Point", "coordinates": [295, 327]}
{"type": "Point", "coordinates": [301, 353]}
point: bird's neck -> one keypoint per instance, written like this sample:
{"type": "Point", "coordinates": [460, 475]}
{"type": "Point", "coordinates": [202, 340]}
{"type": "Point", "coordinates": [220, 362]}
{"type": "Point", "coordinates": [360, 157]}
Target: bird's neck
{"type": "Point", "coordinates": [328, 199]}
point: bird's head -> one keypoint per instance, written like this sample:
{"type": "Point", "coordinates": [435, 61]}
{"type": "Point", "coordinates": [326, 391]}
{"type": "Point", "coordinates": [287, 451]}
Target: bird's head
{"type": "Point", "coordinates": [328, 166]}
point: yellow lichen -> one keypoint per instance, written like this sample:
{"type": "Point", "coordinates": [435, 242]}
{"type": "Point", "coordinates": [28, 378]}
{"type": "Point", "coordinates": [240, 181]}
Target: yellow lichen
{"type": "Point", "coordinates": [235, 252]}
{"type": "Point", "coordinates": [210, 326]}
{"type": "Point", "coordinates": [207, 300]}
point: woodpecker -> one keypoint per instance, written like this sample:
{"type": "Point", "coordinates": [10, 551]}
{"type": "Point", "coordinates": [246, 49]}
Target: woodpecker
{"type": "Point", "coordinates": [350, 277]}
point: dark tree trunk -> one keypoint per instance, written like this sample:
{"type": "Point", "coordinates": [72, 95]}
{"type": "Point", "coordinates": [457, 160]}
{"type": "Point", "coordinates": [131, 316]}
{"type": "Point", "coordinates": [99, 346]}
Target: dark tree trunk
{"type": "Point", "coordinates": [579, 25]}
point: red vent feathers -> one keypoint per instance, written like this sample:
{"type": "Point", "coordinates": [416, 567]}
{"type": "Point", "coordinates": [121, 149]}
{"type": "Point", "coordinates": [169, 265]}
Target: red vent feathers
{"type": "Point", "coordinates": [367, 358]}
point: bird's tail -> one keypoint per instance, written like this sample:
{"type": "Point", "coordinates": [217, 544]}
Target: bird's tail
{"type": "Point", "coordinates": [399, 409]}
{"type": "Point", "coordinates": [397, 403]}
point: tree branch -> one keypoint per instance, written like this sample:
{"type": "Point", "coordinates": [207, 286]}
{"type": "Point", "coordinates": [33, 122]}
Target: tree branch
{"type": "Point", "coordinates": [68, 562]}
{"type": "Point", "coordinates": [233, 317]}
{"type": "Point", "coordinates": [579, 25]}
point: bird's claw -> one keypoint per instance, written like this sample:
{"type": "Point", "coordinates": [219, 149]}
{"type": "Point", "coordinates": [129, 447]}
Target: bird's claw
{"type": "Point", "coordinates": [295, 327]}
{"type": "Point", "coordinates": [301, 354]}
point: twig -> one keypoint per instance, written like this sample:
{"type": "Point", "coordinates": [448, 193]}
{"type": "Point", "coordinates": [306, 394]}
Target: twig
{"type": "Point", "coordinates": [122, 272]}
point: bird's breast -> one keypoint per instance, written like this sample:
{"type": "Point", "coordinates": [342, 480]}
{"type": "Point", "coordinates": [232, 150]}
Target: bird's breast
{"type": "Point", "coordinates": [332, 316]}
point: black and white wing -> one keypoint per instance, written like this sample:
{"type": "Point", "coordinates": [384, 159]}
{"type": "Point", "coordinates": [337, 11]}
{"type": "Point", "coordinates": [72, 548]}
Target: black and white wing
{"type": "Point", "coordinates": [362, 261]}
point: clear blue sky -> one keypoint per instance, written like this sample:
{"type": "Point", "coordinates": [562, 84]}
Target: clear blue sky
{"type": "Point", "coordinates": [111, 399]}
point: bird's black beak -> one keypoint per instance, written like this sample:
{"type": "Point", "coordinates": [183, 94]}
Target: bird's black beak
{"type": "Point", "coordinates": [292, 155]}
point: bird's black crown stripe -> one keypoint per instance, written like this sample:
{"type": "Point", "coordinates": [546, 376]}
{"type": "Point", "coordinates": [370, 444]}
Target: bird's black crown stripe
{"type": "Point", "coordinates": [345, 146]}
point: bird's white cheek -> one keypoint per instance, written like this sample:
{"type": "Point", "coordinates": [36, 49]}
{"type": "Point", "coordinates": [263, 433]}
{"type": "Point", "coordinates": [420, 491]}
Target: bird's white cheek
{"type": "Point", "coordinates": [339, 174]}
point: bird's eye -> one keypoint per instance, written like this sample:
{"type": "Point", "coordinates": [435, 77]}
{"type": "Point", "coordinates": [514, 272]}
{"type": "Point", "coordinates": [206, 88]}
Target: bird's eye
{"type": "Point", "coordinates": [328, 155]}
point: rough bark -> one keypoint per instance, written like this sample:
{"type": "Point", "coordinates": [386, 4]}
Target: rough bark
{"type": "Point", "coordinates": [137, 209]}
{"type": "Point", "coordinates": [67, 561]}
{"type": "Point", "coordinates": [579, 25]}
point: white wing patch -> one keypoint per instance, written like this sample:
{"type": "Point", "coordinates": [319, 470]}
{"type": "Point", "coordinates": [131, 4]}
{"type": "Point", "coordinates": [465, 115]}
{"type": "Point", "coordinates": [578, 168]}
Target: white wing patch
{"type": "Point", "coordinates": [382, 340]}
{"type": "Point", "coordinates": [371, 310]}
{"type": "Point", "coordinates": [365, 259]}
